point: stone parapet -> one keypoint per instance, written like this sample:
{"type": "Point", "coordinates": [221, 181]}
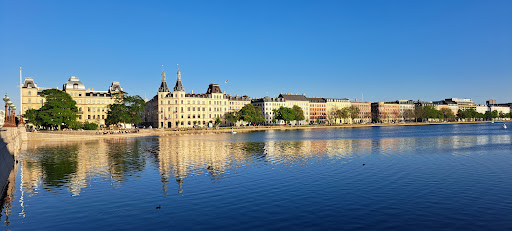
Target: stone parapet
{"type": "Point", "coordinates": [10, 145]}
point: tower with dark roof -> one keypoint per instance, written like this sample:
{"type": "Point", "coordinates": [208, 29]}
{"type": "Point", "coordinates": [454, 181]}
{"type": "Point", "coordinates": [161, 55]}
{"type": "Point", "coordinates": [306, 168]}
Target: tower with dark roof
{"type": "Point", "coordinates": [163, 85]}
{"type": "Point", "coordinates": [179, 85]}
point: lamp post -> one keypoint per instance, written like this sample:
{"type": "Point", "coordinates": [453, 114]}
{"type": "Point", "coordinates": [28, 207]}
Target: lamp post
{"type": "Point", "coordinates": [9, 113]}
{"type": "Point", "coordinates": [6, 118]}
{"type": "Point", "coordinates": [14, 115]}
{"type": "Point", "coordinates": [11, 121]}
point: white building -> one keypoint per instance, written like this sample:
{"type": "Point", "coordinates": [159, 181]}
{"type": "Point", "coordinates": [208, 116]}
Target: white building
{"type": "Point", "coordinates": [267, 106]}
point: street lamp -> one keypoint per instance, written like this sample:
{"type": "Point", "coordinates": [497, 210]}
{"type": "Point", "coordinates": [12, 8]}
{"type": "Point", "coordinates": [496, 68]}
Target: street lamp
{"type": "Point", "coordinates": [9, 115]}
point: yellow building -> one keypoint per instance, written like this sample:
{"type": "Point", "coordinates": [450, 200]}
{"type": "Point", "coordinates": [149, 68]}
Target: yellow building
{"type": "Point", "coordinates": [336, 104]}
{"type": "Point", "coordinates": [297, 100]}
{"type": "Point", "coordinates": [92, 105]}
{"type": "Point", "coordinates": [180, 109]}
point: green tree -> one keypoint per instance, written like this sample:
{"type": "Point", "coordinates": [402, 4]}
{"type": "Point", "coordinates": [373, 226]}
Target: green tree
{"type": "Point", "coordinates": [231, 117]}
{"type": "Point", "coordinates": [430, 112]}
{"type": "Point", "coordinates": [218, 121]}
{"type": "Point", "coordinates": [75, 125]}
{"type": "Point", "coordinates": [447, 113]}
{"type": "Point", "coordinates": [344, 113]}
{"type": "Point", "coordinates": [284, 113]}
{"type": "Point", "coordinates": [469, 114]}
{"type": "Point", "coordinates": [58, 109]}
{"type": "Point", "coordinates": [251, 114]}
{"type": "Point", "coordinates": [90, 126]}
{"type": "Point", "coordinates": [125, 109]}
{"type": "Point", "coordinates": [354, 112]}
{"type": "Point", "coordinates": [418, 112]}
{"type": "Point", "coordinates": [32, 117]}
{"type": "Point", "coordinates": [299, 113]}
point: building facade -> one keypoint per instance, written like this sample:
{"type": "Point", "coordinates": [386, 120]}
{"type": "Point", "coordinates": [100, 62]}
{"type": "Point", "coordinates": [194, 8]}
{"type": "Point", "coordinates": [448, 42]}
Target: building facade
{"type": "Point", "coordinates": [267, 106]}
{"type": "Point", "coordinates": [317, 110]}
{"type": "Point", "coordinates": [176, 108]}
{"type": "Point", "coordinates": [92, 105]}
{"type": "Point", "coordinates": [385, 112]}
{"type": "Point", "coordinates": [406, 108]}
{"type": "Point", "coordinates": [365, 112]}
{"type": "Point", "coordinates": [463, 104]}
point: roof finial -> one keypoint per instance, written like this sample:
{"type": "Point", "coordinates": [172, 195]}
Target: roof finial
{"type": "Point", "coordinates": [178, 67]}
{"type": "Point", "coordinates": [163, 74]}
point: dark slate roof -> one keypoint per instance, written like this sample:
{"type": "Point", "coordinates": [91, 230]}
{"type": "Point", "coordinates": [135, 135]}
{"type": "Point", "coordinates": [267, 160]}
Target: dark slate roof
{"type": "Point", "coordinates": [293, 97]}
{"type": "Point", "coordinates": [213, 88]}
{"type": "Point", "coordinates": [317, 100]}
{"type": "Point", "coordinates": [163, 87]}
{"type": "Point", "coordinates": [179, 86]}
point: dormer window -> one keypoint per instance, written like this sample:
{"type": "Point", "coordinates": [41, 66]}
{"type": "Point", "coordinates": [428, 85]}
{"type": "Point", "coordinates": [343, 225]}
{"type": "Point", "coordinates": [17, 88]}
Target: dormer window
{"type": "Point", "coordinates": [75, 86]}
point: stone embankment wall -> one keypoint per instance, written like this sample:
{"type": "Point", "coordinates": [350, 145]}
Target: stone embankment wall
{"type": "Point", "coordinates": [10, 145]}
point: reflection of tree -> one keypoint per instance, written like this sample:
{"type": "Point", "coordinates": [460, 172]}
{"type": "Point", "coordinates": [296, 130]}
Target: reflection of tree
{"type": "Point", "coordinates": [124, 158]}
{"type": "Point", "coordinates": [58, 164]}
{"type": "Point", "coordinates": [253, 150]}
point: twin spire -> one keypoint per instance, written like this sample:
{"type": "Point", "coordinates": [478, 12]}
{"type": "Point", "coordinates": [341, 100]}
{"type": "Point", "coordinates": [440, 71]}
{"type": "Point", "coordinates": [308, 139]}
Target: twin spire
{"type": "Point", "coordinates": [177, 87]}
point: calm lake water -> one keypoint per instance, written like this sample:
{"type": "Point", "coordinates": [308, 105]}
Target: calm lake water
{"type": "Point", "coordinates": [437, 177]}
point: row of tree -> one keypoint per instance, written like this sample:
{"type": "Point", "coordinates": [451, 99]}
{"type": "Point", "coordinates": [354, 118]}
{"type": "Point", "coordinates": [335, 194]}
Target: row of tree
{"type": "Point", "coordinates": [430, 112]}
{"type": "Point", "coordinates": [253, 115]}
{"type": "Point", "coordinates": [336, 114]}
{"type": "Point", "coordinates": [59, 110]}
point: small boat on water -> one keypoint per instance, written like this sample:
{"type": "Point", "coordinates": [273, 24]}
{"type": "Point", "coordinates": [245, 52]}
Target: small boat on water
{"type": "Point", "coordinates": [505, 126]}
{"type": "Point", "coordinates": [233, 132]}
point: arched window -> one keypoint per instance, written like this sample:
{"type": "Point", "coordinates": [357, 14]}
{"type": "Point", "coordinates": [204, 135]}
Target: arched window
{"type": "Point", "coordinates": [75, 86]}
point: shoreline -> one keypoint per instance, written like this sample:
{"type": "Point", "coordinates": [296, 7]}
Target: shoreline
{"type": "Point", "coordinates": [92, 135]}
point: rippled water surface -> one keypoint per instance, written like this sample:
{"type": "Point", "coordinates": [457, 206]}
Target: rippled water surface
{"type": "Point", "coordinates": [438, 177]}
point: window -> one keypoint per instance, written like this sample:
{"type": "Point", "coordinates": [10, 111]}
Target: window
{"type": "Point", "coordinates": [79, 101]}
{"type": "Point", "coordinates": [29, 93]}
{"type": "Point", "coordinates": [29, 100]}
{"type": "Point", "coordinates": [103, 117]}
{"type": "Point", "coordinates": [88, 116]}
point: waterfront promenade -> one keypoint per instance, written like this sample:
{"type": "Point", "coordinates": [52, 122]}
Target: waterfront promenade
{"type": "Point", "coordinates": [99, 134]}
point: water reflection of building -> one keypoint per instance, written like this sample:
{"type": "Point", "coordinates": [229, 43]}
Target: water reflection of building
{"type": "Point", "coordinates": [6, 203]}
{"type": "Point", "coordinates": [183, 156]}
{"type": "Point", "coordinates": [69, 165]}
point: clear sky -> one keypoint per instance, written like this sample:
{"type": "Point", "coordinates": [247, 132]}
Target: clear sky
{"type": "Point", "coordinates": [386, 50]}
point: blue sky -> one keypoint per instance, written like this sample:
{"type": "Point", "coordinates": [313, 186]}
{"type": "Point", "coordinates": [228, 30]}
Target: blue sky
{"type": "Point", "coordinates": [386, 50]}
